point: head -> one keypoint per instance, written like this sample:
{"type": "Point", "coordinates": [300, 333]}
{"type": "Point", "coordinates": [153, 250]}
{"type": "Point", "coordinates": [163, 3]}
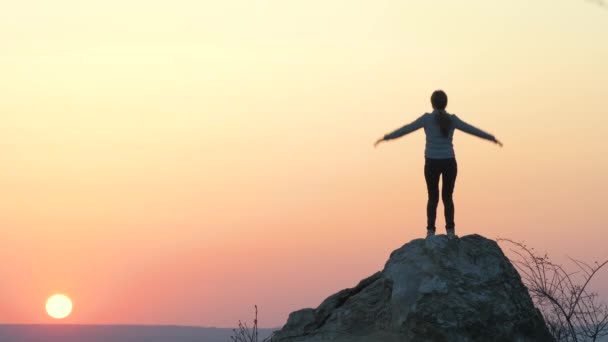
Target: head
{"type": "Point", "coordinates": [439, 100]}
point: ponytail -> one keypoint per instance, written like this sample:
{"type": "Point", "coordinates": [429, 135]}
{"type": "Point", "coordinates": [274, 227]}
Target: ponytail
{"type": "Point", "coordinates": [439, 99]}
{"type": "Point", "coordinates": [445, 123]}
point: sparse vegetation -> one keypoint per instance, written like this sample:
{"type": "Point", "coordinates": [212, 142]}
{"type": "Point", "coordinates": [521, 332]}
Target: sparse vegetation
{"type": "Point", "coordinates": [572, 312]}
{"type": "Point", "coordinates": [245, 334]}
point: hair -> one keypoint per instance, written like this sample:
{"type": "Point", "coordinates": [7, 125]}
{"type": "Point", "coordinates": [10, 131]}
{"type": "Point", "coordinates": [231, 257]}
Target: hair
{"type": "Point", "coordinates": [439, 100]}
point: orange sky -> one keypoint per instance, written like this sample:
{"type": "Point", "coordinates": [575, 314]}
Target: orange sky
{"type": "Point", "coordinates": [178, 162]}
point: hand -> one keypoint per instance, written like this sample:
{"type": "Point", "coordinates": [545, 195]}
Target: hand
{"type": "Point", "coordinates": [378, 141]}
{"type": "Point", "coordinates": [498, 142]}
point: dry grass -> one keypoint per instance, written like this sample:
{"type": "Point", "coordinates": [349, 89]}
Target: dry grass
{"type": "Point", "coordinates": [245, 334]}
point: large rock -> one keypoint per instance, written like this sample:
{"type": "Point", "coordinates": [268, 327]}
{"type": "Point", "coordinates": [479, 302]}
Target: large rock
{"type": "Point", "coordinates": [430, 290]}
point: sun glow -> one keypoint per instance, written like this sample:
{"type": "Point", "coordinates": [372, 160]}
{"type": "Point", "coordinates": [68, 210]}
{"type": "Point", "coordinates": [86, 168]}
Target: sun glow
{"type": "Point", "coordinates": [59, 306]}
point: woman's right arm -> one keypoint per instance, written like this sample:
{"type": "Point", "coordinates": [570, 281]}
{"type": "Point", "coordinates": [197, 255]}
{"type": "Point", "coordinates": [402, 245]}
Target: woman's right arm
{"type": "Point", "coordinates": [465, 127]}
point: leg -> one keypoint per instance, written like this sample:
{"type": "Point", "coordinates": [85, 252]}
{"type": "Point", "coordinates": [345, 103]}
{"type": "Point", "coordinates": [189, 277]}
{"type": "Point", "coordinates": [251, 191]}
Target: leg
{"type": "Point", "coordinates": [431, 175]}
{"type": "Point", "coordinates": [449, 180]}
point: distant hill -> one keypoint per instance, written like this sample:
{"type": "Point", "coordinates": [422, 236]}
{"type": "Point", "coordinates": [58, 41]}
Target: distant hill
{"type": "Point", "coordinates": [115, 333]}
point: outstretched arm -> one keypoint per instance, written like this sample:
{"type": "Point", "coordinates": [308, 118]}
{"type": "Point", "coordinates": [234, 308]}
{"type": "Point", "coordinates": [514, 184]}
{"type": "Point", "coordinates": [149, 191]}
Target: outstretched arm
{"type": "Point", "coordinates": [465, 127]}
{"type": "Point", "coordinates": [409, 128]}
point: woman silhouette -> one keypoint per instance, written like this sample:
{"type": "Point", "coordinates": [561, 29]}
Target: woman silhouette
{"type": "Point", "coordinates": [439, 155]}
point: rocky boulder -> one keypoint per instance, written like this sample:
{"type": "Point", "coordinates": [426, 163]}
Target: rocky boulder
{"type": "Point", "coordinates": [429, 290]}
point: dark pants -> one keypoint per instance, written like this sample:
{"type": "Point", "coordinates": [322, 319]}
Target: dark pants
{"type": "Point", "coordinates": [433, 168]}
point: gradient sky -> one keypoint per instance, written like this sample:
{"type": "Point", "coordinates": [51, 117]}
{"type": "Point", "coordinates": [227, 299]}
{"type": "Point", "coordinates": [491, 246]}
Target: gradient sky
{"type": "Point", "coordinates": [177, 162]}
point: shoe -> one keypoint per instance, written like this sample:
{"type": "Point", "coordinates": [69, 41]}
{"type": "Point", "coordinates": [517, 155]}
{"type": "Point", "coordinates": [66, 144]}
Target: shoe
{"type": "Point", "coordinates": [451, 234]}
{"type": "Point", "coordinates": [430, 233]}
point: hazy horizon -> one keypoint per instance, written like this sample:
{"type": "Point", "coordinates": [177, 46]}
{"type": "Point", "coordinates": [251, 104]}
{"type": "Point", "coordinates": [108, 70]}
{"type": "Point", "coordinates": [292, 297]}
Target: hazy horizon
{"type": "Point", "coordinates": [122, 333]}
{"type": "Point", "coordinates": [115, 333]}
{"type": "Point", "coordinates": [176, 163]}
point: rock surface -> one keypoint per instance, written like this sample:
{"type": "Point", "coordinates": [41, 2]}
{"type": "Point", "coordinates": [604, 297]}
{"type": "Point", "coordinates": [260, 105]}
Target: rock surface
{"type": "Point", "coordinates": [430, 290]}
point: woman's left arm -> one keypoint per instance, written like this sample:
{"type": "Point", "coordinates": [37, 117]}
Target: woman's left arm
{"type": "Point", "coordinates": [409, 128]}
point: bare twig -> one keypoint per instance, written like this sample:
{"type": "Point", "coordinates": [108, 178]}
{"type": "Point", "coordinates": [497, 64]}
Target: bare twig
{"type": "Point", "coordinates": [572, 312]}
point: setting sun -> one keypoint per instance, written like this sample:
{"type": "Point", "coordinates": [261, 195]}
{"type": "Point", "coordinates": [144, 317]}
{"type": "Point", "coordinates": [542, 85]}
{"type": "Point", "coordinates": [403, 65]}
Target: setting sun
{"type": "Point", "coordinates": [59, 306]}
